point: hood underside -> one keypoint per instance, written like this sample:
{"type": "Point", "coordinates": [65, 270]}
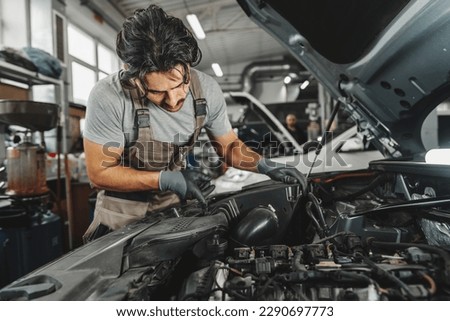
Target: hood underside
{"type": "Point", "coordinates": [388, 60]}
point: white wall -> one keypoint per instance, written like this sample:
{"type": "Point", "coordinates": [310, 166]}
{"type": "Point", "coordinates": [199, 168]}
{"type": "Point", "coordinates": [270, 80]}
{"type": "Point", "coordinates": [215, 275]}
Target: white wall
{"type": "Point", "coordinates": [84, 18]}
{"type": "Point", "coordinates": [13, 23]}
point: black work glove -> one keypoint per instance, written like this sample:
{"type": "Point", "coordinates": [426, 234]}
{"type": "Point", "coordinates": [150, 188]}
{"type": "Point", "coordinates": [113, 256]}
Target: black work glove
{"type": "Point", "coordinates": [187, 184]}
{"type": "Point", "coordinates": [281, 172]}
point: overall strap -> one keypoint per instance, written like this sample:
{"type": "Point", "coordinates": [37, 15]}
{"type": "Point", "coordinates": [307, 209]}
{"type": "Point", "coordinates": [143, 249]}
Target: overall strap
{"type": "Point", "coordinates": [179, 156]}
{"type": "Point", "coordinates": [142, 116]}
{"type": "Point", "coordinates": [199, 104]}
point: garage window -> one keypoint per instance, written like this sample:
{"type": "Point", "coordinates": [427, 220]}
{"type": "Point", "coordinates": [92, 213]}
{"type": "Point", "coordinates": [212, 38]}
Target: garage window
{"type": "Point", "coordinates": [90, 61]}
{"type": "Point", "coordinates": [13, 23]}
{"type": "Point", "coordinates": [83, 79]}
{"type": "Point", "coordinates": [81, 45]}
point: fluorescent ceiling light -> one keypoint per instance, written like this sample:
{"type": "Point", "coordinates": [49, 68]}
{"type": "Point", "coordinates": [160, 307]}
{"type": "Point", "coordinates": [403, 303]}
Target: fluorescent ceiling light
{"type": "Point", "coordinates": [304, 85]}
{"type": "Point", "coordinates": [287, 80]}
{"type": "Point", "coordinates": [196, 26]}
{"type": "Point", "coordinates": [217, 70]}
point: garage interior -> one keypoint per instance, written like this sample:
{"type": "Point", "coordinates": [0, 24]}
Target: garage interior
{"type": "Point", "coordinates": [46, 201]}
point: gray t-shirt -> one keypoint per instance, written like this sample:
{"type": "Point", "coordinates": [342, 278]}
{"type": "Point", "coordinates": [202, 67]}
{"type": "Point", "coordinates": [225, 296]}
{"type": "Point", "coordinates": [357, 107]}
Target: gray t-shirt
{"type": "Point", "coordinates": [110, 115]}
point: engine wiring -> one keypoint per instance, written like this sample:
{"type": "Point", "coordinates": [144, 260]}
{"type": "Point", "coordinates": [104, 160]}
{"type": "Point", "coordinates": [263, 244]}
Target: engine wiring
{"type": "Point", "coordinates": [383, 273]}
{"type": "Point", "coordinates": [313, 209]}
{"type": "Point", "coordinates": [432, 284]}
{"type": "Point", "coordinates": [355, 246]}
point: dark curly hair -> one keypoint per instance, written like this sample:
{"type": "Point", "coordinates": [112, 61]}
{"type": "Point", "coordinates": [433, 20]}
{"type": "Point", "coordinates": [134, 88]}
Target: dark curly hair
{"type": "Point", "coordinates": [151, 40]}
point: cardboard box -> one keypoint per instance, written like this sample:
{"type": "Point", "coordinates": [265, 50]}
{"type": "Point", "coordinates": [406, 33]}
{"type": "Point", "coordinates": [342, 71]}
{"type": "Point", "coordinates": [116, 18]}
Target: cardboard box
{"type": "Point", "coordinates": [13, 92]}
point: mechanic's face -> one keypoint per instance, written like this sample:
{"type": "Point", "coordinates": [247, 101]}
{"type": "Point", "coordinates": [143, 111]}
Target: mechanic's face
{"type": "Point", "coordinates": [167, 89]}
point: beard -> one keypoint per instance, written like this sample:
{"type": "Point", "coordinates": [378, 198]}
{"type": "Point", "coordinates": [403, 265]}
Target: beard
{"type": "Point", "coordinates": [173, 109]}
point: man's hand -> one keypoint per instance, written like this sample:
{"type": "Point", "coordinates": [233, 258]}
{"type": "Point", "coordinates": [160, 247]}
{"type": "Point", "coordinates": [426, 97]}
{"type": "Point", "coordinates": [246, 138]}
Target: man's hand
{"type": "Point", "coordinates": [187, 184]}
{"type": "Point", "coordinates": [281, 172]}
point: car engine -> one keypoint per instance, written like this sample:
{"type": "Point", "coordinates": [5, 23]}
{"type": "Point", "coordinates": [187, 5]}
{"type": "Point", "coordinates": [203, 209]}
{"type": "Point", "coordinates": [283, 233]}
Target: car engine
{"type": "Point", "coordinates": [377, 234]}
{"type": "Point", "coordinates": [367, 235]}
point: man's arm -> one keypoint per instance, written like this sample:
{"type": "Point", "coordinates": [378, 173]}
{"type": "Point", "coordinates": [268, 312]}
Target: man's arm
{"type": "Point", "coordinates": [105, 171]}
{"type": "Point", "coordinates": [235, 153]}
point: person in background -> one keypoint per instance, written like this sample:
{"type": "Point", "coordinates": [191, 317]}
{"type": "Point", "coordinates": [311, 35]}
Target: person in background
{"type": "Point", "coordinates": [143, 120]}
{"type": "Point", "coordinates": [293, 127]}
{"type": "Point", "coordinates": [313, 130]}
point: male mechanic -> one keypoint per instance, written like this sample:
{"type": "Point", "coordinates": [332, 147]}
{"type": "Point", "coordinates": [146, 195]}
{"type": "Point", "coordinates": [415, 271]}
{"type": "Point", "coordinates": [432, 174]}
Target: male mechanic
{"type": "Point", "coordinates": [143, 120]}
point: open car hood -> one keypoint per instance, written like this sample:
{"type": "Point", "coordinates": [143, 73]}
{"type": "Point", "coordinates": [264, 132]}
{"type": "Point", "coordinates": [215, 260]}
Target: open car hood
{"type": "Point", "coordinates": [386, 60]}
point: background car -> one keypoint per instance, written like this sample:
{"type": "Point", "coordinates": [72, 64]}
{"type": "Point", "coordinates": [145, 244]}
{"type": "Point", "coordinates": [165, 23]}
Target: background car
{"type": "Point", "coordinates": [260, 129]}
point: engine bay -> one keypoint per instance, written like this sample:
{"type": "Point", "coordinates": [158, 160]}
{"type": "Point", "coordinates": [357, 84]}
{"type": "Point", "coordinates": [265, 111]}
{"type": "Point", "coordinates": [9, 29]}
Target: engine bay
{"type": "Point", "coordinates": [377, 234]}
{"type": "Point", "coordinates": [366, 235]}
